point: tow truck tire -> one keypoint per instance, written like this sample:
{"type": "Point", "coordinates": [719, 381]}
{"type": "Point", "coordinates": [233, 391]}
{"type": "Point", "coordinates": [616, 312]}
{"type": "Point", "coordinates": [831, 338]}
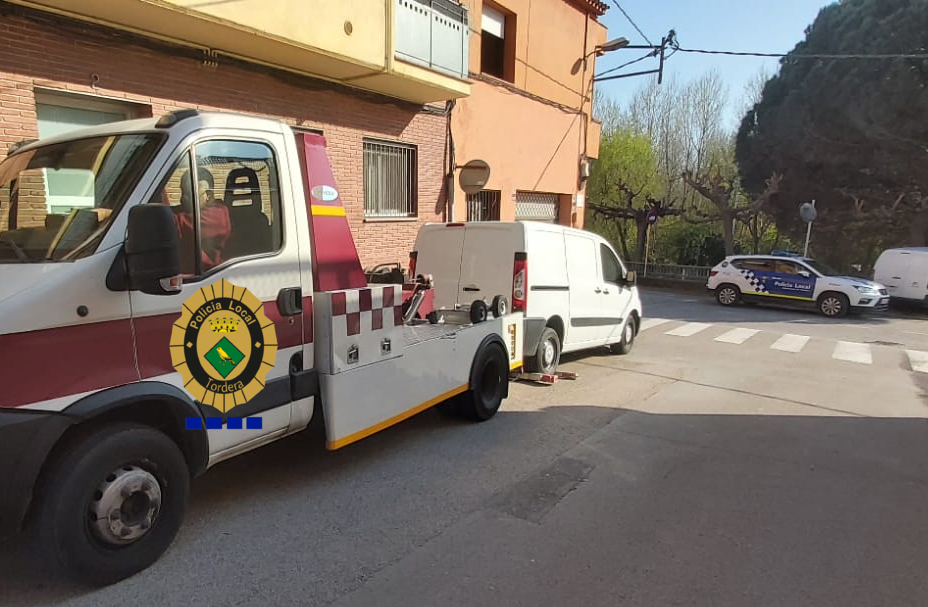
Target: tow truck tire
{"type": "Point", "coordinates": [489, 384]}
{"type": "Point", "coordinates": [500, 306]}
{"type": "Point", "coordinates": [131, 470]}
{"type": "Point", "coordinates": [478, 311]}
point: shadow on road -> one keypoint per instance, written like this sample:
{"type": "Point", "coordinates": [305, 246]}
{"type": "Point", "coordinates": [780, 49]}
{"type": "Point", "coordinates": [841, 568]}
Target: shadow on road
{"type": "Point", "coordinates": [766, 506]}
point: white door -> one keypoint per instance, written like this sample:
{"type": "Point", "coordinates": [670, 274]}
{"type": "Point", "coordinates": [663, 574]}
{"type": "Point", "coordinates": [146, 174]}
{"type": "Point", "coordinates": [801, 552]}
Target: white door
{"type": "Point", "coordinates": [583, 272]}
{"type": "Point", "coordinates": [241, 179]}
{"type": "Point", "coordinates": [616, 295]}
{"type": "Point", "coordinates": [438, 252]}
{"type": "Point", "coordinates": [488, 262]}
{"type": "Point", "coordinates": [915, 283]}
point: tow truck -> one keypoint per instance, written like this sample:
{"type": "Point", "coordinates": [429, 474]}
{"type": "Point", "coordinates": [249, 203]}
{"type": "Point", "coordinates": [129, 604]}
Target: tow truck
{"type": "Point", "coordinates": [105, 240]}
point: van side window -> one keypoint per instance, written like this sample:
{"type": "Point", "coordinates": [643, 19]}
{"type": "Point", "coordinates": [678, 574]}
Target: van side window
{"type": "Point", "coordinates": [612, 269]}
{"type": "Point", "coordinates": [238, 210]}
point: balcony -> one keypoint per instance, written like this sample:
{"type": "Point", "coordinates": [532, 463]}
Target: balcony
{"type": "Point", "coordinates": [433, 34]}
{"type": "Point", "coordinates": [347, 42]}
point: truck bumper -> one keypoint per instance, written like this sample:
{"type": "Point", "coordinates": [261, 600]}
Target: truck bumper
{"type": "Point", "coordinates": [27, 437]}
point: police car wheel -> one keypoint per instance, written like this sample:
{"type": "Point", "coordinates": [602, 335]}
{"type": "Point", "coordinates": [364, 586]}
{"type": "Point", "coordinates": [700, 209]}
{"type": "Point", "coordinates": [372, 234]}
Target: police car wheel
{"type": "Point", "coordinates": [728, 295]}
{"type": "Point", "coordinates": [833, 305]}
{"type": "Point", "coordinates": [112, 503]}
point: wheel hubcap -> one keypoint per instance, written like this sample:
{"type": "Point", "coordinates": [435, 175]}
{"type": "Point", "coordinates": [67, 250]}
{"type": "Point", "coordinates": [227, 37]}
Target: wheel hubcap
{"type": "Point", "coordinates": [125, 505]}
{"type": "Point", "coordinates": [548, 353]}
{"type": "Point", "coordinates": [629, 333]}
{"type": "Point", "coordinates": [831, 306]}
{"type": "Point", "coordinates": [727, 296]}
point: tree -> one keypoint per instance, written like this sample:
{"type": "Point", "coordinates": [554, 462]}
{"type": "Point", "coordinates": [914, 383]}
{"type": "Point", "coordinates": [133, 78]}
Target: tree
{"type": "Point", "coordinates": [722, 193]}
{"type": "Point", "coordinates": [622, 186]}
{"type": "Point", "coordinates": [849, 133]}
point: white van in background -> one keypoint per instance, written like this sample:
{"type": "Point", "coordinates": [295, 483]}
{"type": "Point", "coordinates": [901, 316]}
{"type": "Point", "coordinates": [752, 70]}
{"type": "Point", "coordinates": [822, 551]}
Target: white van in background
{"type": "Point", "coordinates": [571, 284]}
{"type": "Point", "coordinates": [904, 271]}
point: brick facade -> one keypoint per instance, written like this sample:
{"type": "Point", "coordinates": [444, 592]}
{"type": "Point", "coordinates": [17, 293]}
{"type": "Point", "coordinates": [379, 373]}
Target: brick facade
{"type": "Point", "coordinates": [43, 52]}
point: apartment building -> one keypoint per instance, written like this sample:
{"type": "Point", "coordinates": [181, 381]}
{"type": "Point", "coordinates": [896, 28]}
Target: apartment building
{"type": "Point", "coordinates": [529, 112]}
{"type": "Point", "coordinates": [334, 69]}
{"type": "Point", "coordinates": [403, 90]}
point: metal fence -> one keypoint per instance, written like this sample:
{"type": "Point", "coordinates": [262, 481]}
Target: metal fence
{"type": "Point", "coordinates": [668, 270]}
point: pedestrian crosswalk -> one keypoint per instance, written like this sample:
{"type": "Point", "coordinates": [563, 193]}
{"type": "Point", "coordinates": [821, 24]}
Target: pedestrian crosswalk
{"type": "Point", "coordinates": [853, 352]}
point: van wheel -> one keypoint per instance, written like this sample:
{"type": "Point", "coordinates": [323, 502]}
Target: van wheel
{"type": "Point", "coordinates": [628, 338]}
{"type": "Point", "coordinates": [833, 305]}
{"type": "Point", "coordinates": [488, 385]}
{"type": "Point", "coordinates": [111, 504]}
{"type": "Point", "coordinates": [547, 355]}
{"type": "Point", "coordinates": [728, 295]}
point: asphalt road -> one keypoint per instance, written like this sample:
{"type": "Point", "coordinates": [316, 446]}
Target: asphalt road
{"type": "Point", "coordinates": [720, 463]}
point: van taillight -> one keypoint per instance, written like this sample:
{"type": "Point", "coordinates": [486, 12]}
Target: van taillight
{"type": "Point", "coordinates": [520, 283]}
{"type": "Point", "coordinates": [412, 264]}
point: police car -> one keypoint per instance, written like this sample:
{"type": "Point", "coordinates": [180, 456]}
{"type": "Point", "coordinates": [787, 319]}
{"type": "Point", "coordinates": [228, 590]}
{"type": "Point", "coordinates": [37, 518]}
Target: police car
{"type": "Point", "coordinates": [785, 278]}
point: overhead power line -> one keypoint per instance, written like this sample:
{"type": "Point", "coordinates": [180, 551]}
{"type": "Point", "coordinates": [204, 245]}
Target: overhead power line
{"type": "Point", "coordinates": [806, 56]}
{"type": "Point", "coordinates": [628, 63]}
{"type": "Point", "coordinates": [634, 25]}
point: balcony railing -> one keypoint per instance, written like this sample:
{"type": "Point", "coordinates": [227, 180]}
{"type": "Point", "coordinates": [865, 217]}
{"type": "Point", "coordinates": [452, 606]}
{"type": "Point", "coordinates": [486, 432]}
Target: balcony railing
{"type": "Point", "coordinates": [433, 34]}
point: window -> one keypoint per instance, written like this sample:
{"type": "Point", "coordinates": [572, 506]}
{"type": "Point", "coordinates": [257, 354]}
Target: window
{"type": "Point", "coordinates": [612, 268]}
{"type": "Point", "coordinates": [390, 183]}
{"type": "Point", "coordinates": [755, 265]}
{"type": "Point", "coordinates": [60, 113]}
{"type": "Point", "coordinates": [787, 267]}
{"type": "Point", "coordinates": [497, 47]}
{"type": "Point", "coordinates": [102, 171]}
{"type": "Point", "coordinates": [484, 206]}
{"type": "Point", "coordinates": [239, 209]}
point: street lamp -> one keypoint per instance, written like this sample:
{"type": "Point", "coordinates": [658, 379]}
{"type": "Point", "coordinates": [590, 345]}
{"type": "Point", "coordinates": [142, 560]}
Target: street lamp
{"type": "Point", "coordinates": [612, 45]}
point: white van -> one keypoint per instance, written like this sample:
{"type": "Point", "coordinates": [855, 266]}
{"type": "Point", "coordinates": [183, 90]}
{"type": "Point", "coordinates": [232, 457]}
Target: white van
{"type": "Point", "coordinates": [904, 271]}
{"type": "Point", "coordinates": [571, 284]}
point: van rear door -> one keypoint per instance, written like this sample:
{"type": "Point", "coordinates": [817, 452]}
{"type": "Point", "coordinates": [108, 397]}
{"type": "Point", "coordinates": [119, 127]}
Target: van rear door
{"type": "Point", "coordinates": [487, 262]}
{"type": "Point", "coordinates": [438, 252]}
{"type": "Point", "coordinates": [892, 269]}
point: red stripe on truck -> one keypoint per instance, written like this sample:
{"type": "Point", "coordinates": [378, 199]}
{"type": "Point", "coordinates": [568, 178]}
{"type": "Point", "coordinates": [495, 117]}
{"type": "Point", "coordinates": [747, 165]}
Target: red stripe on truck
{"type": "Point", "coordinates": [53, 363]}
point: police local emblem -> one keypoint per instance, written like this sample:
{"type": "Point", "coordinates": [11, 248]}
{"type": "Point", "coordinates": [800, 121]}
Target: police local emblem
{"type": "Point", "coordinates": [223, 345]}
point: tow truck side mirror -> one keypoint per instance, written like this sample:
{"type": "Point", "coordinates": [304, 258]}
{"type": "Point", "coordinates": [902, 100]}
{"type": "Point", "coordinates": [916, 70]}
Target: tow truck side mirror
{"type": "Point", "coordinates": [152, 250]}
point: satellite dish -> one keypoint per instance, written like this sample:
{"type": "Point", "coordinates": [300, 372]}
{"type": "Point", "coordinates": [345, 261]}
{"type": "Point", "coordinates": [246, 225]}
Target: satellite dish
{"type": "Point", "coordinates": [474, 176]}
{"type": "Point", "coordinates": [808, 213]}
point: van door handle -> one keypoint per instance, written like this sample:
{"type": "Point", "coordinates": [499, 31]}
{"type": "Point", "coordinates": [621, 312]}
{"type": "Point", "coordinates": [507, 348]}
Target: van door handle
{"type": "Point", "coordinates": [606, 291]}
{"type": "Point", "coordinates": [897, 278]}
{"type": "Point", "coordinates": [290, 301]}
{"type": "Point", "coordinates": [598, 290]}
{"type": "Point", "coordinates": [471, 288]}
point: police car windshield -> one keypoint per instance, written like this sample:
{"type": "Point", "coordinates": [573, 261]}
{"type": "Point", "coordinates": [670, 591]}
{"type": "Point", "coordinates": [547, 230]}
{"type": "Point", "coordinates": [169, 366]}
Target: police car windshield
{"type": "Point", "coordinates": [56, 201]}
{"type": "Point", "coordinates": [821, 268]}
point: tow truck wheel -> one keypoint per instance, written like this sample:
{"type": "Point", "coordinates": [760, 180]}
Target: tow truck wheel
{"type": "Point", "coordinates": [111, 503]}
{"type": "Point", "coordinates": [489, 384]}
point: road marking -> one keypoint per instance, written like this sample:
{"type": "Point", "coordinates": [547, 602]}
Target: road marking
{"type": "Point", "coordinates": [853, 352]}
{"type": "Point", "coordinates": [690, 328]}
{"type": "Point", "coordinates": [790, 343]}
{"type": "Point", "coordinates": [918, 360]}
{"type": "Point", "coordinates": [737, 336]}
{"type": "Point", "coordinates": [649, 323]}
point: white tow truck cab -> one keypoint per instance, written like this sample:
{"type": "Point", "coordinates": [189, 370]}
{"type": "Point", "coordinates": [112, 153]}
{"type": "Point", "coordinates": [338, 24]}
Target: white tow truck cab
{"type": "Point", "coordinates": [105, 239]}
{"type": "Point", "coordinates": [572, 286]}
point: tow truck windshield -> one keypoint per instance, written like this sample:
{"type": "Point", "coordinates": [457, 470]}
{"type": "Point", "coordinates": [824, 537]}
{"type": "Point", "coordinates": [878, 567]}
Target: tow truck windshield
{"type": "Point", "coordinates": [56, 201]}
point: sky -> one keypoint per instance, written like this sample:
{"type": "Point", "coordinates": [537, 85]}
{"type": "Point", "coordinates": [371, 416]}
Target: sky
{"type": "Point", "coordinates": [768, 26]}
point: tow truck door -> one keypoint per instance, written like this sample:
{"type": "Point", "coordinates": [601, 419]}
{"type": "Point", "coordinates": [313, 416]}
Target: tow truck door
{"type": "Point", "coordinates": [250, 179]}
